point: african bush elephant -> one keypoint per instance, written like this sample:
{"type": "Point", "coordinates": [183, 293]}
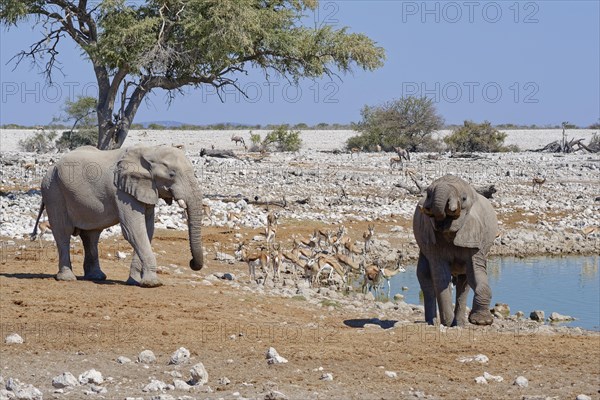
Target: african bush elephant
{"type": "Point", "coordinates": [89, 190]}
{"type": "Point", "coordinates": [454, 227]}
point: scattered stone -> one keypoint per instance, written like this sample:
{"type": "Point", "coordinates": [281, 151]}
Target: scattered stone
{"type": "Point", "coordinates": [23, 391]}
{"type": "Point", "coordinates": [391, 374]}
{"type": "Point", "coordinates": [6, 395]}
{"type": "Point", "coordinates": [147, 357]}
{"type": "Point", "coordinates": [162, 397]}
{"type": "Point", "coordinates": [13, 338]}
{"type": "Point", "coordinates": [180, 356]}
{"type": "Point", "coordinates": [556, 317]}
{"type": "Point", "coordinates": [123, 360]}
{"type": "Point", "coordinates": [98, 389]}
{"type": "Point", "coordinates": [199, 375]}
{"type": "Point", "coordinates": [501, 310]}
{"type": "Point", "coordinates": [328, 377]}
{"type": "Point", "coordinates": [181, 385]}
{"type": "Point", "coordinates": [519, 314]}
{"type": "Point", "coordinates": [274, 358]}
{"type": "Point", "coordinates": [521, 381]}
{"type": "Point", "coordinates": [490, 377]}
{"type": "Point", "coordinates": [224, 381]}
{"type": "Point", "coordinates": [583, 397]}
{"type": "Point", "coordinates": [398, 297]}
{"type": "Point", "coordinates": [537, 315]}
{"type": "Point", "coordinates": [275, 395]}
{"type": "Point", "coordinates": [481, 380]}
{"type": "Point", "coordinates": [480, 358]}
{"type": "Point", "coordinates": [91, 376]}
{"type": "Point", "coordinates": [121, 255]}
{"type": "Point", "coordinates": [66, 379]}
{"type": "Point", "coordinates": [155, 386]}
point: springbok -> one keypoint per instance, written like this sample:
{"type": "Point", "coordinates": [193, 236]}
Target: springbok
{"type": "Point", "coordinates": [389, 273]}
{"type": "Point", "coordinates": [323, 235]}
{"type": "Point", "coordinates": [539, 181]}
{"type": "Point", "coordinates": [368, 237]}
{"type": "Point", "coordinates": [277, 260]}
{"type": "Point", "coordinates": [395, 161]}
{"type": "Point", "coordinates": [402, 153]}
{"type": "Point", "coordinates": [371, 279]}
{"type": "Point", "coordinates": [326, 262]}
{"type": "Point", "coordinates": [355, 150]}
{"type": "Point", "coordinates": [351, 248]}
{"type": "Point", "coordinates": [253, 259]}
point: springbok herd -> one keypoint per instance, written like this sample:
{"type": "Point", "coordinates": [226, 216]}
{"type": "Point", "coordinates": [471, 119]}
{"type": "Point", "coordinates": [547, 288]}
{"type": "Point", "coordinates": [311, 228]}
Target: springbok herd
{"type": "Point", "coordinates": [325, 256]}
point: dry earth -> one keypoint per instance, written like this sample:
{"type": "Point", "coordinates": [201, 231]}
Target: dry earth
{"type": "Point", "coordinates": [229, 325]}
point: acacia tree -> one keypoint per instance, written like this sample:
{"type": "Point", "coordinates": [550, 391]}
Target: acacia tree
{"type": "Point", "coordinates": [408, 122]}
{"type": "Point", "coordinates": [136, 47]}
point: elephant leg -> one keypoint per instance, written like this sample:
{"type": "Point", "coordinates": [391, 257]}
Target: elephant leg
{"type": "Point", "coordinates": [426, 283]}
{"type": "Point", "coordinates": [135, 270]}
{"type": "Point", "coordinates": [441, 282]}
{"type": "Point", "coordinates": [132, 215]}
{"type": "Point", "coordinates": [460, 309]}
{"type": "Point", "coordinates": [91, 263]}
{"type": "Point", "coordinates": [478, 280]}
{"type": "Point", "coordinates": [63, 244]}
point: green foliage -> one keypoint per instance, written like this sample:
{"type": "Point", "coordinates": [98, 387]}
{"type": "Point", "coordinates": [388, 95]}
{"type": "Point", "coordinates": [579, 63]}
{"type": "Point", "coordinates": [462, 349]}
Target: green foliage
{"type": "Point", "coordinates": [158, 127]}
{"type": "Point", "coordinates": [83, 132]}
{"type": "Point", "coordinates": [408, 122]}
{"type": "Point", "coordinates": [473, 137]}
{"type": "Point", "coordinates": [73, 139]}
{"type": "Point", "coordinates": [41, 142]}
{"type": "Point", "coordinates": [282, 139]}
{"type": "Point", "coordinates": [169, 44]}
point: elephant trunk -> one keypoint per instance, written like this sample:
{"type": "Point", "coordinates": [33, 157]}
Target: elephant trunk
{"type": "Point", "coordinates": [194, 216]}
{"type": "Point", "coordinates": [440, 203]}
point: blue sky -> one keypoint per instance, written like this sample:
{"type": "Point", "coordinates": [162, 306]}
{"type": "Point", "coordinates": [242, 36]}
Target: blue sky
{"type": "Point", "coordinates": [522, 62]}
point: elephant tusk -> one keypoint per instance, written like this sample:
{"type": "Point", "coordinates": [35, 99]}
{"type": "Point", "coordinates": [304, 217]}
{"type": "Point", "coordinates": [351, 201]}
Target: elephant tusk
{"type": "Point", "coordinates": [182, 204]}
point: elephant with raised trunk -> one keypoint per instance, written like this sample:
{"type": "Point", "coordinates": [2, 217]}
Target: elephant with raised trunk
{"type": "Point", "coordinates": [455, 228]}
{"type": "Point", "coordinates": [89, 190]}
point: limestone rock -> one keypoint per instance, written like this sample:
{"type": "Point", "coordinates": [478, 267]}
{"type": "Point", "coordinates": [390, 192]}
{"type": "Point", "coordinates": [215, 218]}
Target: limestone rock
{"type": "Point", "coordinates": [91, 376]}
{"type": "Point", "coordinates": [13, 338]}
{"type": "Point", "coordinates": [521, 381]}
{"type": "Point", "coordinates": [155, 386]}
{"type": "Point", "coordinates": [274, 358]}
{"type": "Point", "coordinates": [147, 357]}
{"type": "Point", "coordinates": [180, 356]}
{"type": "Point", "coordinates": [537, 315]}
{"type": "Point", "coordinates": [66, 379]}
{"type": "Point", "coordinates": [199, 375]}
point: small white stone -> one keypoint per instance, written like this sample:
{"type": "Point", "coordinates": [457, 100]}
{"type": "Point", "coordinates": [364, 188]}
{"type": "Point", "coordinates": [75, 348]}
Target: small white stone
{"type": "Point", "coordinates": [481, 380]}
{"type": "Point", "coordinates": [391, 374]}
{"type": "Point", "coordinates": [521, 381]}
{"type": "Point", "coordinates": [274, 358]}
{"type": "Point", "coordinates": [91, 376]}
{"type": "Point", "coordinates": [155, 386]}
{"type": "Point", "coordinates": [13, 338]}
{"type": "Point", "coordinates": [583, 397]}
{"type": "Point", "coordinates": [147, 357]}
{"type": "Point", "coordinates": [180, 356]}
{"type": "Point", "coordinates": [181, 385]}
{"type": "Point", "coordinates": [66, 379]}
{"type": "Point", "coordinates": [328, 377]}
{"type": "Point", "coordinates": [123, 360]}
{"type": "Point", "coordinates": [490, 377]}
{"type": "Point", "coordinates": [199, 375]}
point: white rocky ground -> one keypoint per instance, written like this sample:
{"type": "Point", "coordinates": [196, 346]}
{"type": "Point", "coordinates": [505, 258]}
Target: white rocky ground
{"type": "Point", "coordinates": [555, 219]}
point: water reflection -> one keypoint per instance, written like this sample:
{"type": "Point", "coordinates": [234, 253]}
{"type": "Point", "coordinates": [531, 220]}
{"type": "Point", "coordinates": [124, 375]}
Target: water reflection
{"type": "Point", "coordinates": [568, 285]}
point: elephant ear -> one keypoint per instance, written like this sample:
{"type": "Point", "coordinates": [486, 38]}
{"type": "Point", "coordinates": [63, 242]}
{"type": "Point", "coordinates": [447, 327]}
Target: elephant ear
{"type": "Point", "coordinates": [133, 175]}
{"type": "Point", "coordinates": [423, 227]}
{"type": "Point", "coordinates": [470, 234]}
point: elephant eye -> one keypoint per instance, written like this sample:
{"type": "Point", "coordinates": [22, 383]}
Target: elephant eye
{"type": "Point", "coordinates": [171, 174]}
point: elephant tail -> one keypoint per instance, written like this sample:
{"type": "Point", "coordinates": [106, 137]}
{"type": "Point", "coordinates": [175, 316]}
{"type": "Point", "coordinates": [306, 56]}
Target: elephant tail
{"type": "Point", "coordinates": [33, 234]}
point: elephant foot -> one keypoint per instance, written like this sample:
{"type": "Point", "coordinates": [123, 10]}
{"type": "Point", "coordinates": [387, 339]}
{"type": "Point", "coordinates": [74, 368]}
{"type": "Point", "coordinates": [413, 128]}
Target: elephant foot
{"type": "Point", "coordinates": [95, 276]}
{"type": "Point", "coordinates": [133, 281]}
{"type": "Point", "coordinates": [483, 317]}
{"type": "Point", "coordinates": [150, 283]}
{"type": "Point", "coordinates": [65, 274]}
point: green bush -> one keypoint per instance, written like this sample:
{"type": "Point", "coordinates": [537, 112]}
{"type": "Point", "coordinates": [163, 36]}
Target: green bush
{"type": "Point", "coordinates": [473, 137]}
{"type": "Point", "coordinates": [283, 139]}
{"type": "Point", "coordinates": [72, 139]}
{"type": "Point", "coordinates": [41, 142]}
{"type": "Point", "coordinates": [408, 122]}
